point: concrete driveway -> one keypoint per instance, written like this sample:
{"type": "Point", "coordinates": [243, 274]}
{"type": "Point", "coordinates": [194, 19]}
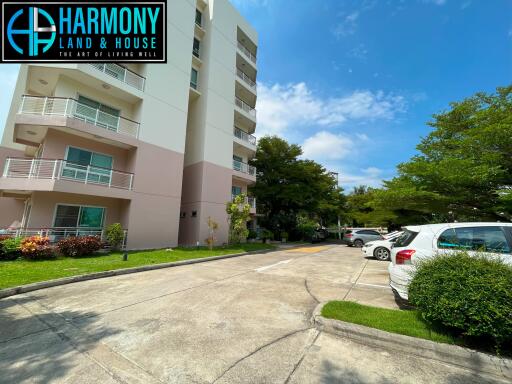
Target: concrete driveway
{"type": "Point", "coordinates": [238, 320]}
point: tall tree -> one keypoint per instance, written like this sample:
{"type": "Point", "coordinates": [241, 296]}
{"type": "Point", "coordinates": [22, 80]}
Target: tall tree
{"type": "Point", "coordinates": [464, 168]}
{"type": "Point", "coordinates": [287, 186]}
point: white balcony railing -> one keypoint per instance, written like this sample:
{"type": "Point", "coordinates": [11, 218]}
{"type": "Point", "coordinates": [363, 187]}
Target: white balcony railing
{"type": "Point", "coordinates": [245, 107]}
{"type": "Point", "coordinates": [58, 233]}
{"type": "Point", "coordinates": [56, 169]}
{"type": "Point", "coordinates": [244, 168]}
{"type": "Point", "coordinates": [246, 52]}
{"type": "Point", "coordinates": [242, 135]}
{"type": "Point", "coordinates": [121, 73]}
{"type": "Point", "coordinates": [250, 82]}
{"type": "Point", "coordinates": [248, 199]}
{"type": "Point", "coordinates": [55, 106]}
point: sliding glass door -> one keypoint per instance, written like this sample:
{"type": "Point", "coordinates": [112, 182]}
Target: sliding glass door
{"type": "Point", "coordinates": [88, 166]}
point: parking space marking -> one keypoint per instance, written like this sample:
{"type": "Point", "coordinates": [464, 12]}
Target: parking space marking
{"type": "Point", "coordinates": [308, 249]}
{"type": "Point", "coordinates": [374, 285]}
{"type": "Point", "coordinates": [261, 269]}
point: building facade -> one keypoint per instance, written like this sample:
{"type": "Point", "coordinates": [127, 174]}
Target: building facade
{"type": "Point", "coordinates": [159, 148]}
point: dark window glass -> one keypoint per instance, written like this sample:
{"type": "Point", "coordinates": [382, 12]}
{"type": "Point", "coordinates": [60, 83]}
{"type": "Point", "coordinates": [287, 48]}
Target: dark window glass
{"type": "Point", "coordinates": [199, 18]}
{"type": "Point", "coordinates": [405, 239]}
{"type": "Point", "coordinates": [66, 216]}
{"type": "Point", "coordinates": [484, 239]}
{"type": "Point", "coordinates": [195, 47]}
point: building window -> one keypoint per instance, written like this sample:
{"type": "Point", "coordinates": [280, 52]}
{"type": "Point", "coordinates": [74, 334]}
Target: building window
{"type": "Point", "coordinates": [194, 213]}
{"type": "Point", "coordinates": [199, 18]}
{"type": "Point", "coordinates": [193, 78]}
{"type": "Point", "coordinates": [96, 113]}
{"type": "Point", "coordinates": [235, 191]}
{"type": "Point", "coordinates": [75, 216]}
{"type": "Point", "coordinates": [195, 48]}
{"type": "Point", "coordinates": [84, 165]}
{"type": "Point", "coordinates": [237, 163]}
{"type": "Point", "coordinates": [183, 215]}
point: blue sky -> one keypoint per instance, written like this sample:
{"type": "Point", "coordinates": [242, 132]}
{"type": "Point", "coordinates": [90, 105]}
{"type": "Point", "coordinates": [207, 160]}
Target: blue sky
{"type": "Point", "coordinates": [354, 82]}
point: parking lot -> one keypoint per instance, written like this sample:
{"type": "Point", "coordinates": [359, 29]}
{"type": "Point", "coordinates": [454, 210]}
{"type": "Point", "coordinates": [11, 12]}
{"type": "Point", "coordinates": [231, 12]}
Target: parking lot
{"type": "Point", "coordinates": [243, 319]}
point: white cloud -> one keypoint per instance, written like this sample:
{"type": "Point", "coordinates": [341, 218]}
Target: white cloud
{"type": "Point", "coordinates": [360, 52]}
{"type": "Point", "coordinates": [371, 177]}
{"type": "Point", "coordinates": [283, 106]}
{"type": "Point", "coordinates": [347, 26]}
{"type": "Point", "coordinates": [327, 145]}
{"type": "Point", "coordinates": [436, 2]}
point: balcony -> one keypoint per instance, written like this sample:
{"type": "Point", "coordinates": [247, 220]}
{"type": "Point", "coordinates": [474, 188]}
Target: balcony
{"type": "Point", "coordinates": [245, 107]}
{"type": "Point", "coordinates": [22, 175]}
{"type": "Point", "coordinates": [122, 74]}
{"type": "Point", "coordinates": [71, 108]}
{"type": "Point", "coordinates": [58, 233]}
{"type": "Point", "coordinates": [244, 136]}
{"type": "Point", "coordinates": [244, 171]}
{"type": "Point", "coordinates": [243, 142]}
{"type": "Point", "coordinates": [246, 79]}
{"type": "Point", "coordinates": [248, 199]}
{"type": "Point", "coordinates": [247, 53]}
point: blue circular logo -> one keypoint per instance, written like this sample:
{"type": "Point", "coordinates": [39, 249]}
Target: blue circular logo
{"type": "Point", "coordinates": [37, 35]}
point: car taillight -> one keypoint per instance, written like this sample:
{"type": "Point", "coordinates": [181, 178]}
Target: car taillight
{"type": "Point", "coordinates": [348, 235]}
{"type": "Point", "coordinates": [404, 257]}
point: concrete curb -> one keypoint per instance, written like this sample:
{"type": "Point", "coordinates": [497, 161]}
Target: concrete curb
{"type": "Point", "coordinates": [477, 362]}
{"type": "Point", "coordinates": [118, 272]}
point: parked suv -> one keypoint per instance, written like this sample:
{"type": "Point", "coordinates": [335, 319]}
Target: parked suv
{"type": "Point", "coordinates": [426, 241]}
{"type": "Point", "coordinates": [359, 237]}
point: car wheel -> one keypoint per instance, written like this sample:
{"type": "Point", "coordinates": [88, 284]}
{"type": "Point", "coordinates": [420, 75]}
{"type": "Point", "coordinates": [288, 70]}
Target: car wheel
{"type": "Point", "coordinates": [381, 254]}
{"type": "Point", "coordinates": [358, 243]}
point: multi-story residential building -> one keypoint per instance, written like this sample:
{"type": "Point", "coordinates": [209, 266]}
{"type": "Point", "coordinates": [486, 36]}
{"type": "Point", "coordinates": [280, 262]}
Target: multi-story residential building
{"type": "Point", "coordinates": [159, 148]}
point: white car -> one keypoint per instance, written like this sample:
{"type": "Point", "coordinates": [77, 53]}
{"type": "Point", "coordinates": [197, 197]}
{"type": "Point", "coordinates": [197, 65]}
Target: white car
{"type": "Point", "coordinates": [381, 249]}
{"type": "Point", "coordinates": [426, 241]}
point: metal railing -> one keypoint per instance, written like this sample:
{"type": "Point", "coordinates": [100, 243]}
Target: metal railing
{"type": "Point", "coordinates": [244, 168]}
{"type": "Point", "coordinates": [248, 199]}
{"type": "Point", "coordinates": [122, 73]}
{"type": "Point", "coordinates": [242, 135]}
{"type": "Point", "coordinates": [246, 52]}
{"type": "Point", "coordinates": [57, 169]}
{"type": "Point", "coordinates": [250, 82]}
{"type": "Point", "coordinates": [244, 106]}
{"type": "Point", "coordinates": [58, 233]}
{"type": "Point", "coordinates": [56, 106]}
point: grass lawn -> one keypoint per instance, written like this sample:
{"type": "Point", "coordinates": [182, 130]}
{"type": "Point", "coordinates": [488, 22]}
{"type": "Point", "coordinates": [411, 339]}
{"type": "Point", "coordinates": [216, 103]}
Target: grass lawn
{"type": "Point", "coordinates": [20, 272]}
{"type": "Point", "coordinates": [403, 322]}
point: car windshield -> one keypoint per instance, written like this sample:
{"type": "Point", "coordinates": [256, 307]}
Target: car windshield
{"type": "Point", "coordinates": [405, 239]}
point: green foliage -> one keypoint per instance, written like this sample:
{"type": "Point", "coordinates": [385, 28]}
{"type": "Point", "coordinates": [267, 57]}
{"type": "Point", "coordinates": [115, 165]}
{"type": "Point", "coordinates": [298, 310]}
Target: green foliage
{"type": "Point", "coordinates": [470, 294]}
{"type": "Point", "coordinates": [464, 169]}
{"type": "Point", "coordinates": [252, 235]}
{"type": "Point", "coordinates": [239, 213]}
{"type": "Point", "coordinates": [284, 235]}
{"type": "Point", "coordinates": [287, 186]}
{"type": "Point", "coordinates": [306, 227]}
{"type": "Point", "coordinates": [265, 234]}
{"type": "Point", "coordinates": [10, 247]}
{"type": "Point", "coordinates": [79, 246]}
{"type": "Point", "coordinates": [115, 235]}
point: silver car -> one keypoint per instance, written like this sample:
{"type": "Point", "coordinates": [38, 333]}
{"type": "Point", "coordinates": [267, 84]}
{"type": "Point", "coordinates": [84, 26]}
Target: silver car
{"type": "Point", "coordinates": [359, 237]}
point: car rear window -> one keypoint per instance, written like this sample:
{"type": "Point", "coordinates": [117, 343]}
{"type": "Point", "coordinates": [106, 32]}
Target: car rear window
{"type": "Point", "coordinates": [348, 231]}
{"type": "Point", "coordinates": [484, 239]}
{"type": "Point", "coordinates": [405, 239]}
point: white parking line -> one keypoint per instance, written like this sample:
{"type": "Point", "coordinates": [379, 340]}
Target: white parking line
{"type": "Point", "coordinates": [374, 285]}
{"type": "Point", "coordinates": [261, 269]}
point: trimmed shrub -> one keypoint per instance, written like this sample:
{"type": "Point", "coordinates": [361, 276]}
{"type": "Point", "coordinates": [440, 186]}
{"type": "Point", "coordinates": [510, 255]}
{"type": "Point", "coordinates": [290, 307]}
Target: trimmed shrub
{"type": "Point", "coordinates": [79, 246]}
{"type": "Point", "coordinates": [252, 235]}
{"type": "Point", "coordinates": [37, 248]}
{"type": "Point", "coordinates": [265, 234]}
{"type": "Point", "coordinates": [115, 235]}
{"type": "Point", "coordinates": [10, 247]}
{"type": "Point", "coordinates": [471, 295]}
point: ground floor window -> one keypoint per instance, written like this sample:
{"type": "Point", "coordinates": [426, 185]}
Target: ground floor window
{"type": "Point", "coordinates": [71, 216]}
{"type": "Point", "coordinates": [235, 191]}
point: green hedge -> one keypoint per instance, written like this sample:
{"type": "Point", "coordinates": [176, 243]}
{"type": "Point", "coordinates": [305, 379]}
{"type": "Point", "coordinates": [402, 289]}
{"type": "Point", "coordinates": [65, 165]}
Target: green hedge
{"type": "Point", "coordinates": [469, 294]}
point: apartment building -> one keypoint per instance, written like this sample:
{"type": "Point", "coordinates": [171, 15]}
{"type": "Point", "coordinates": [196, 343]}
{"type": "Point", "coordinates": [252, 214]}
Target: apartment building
{"type": "Point", "coordinates": [159, 148]}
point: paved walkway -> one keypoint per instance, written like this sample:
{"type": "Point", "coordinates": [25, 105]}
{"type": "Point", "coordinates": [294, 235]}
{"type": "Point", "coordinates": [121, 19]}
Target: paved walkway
{"type": "Point", "coordinates": [239, 320]}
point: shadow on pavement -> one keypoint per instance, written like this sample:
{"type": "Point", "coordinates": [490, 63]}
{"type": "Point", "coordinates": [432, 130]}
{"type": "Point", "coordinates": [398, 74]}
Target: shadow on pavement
{"type": "Point", "coordinates": [43, 347]}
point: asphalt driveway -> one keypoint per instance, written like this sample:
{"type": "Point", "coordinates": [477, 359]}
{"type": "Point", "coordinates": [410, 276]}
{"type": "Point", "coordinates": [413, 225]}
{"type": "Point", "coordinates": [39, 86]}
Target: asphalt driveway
{"type": "Point", "coordinates": [238, 320]}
